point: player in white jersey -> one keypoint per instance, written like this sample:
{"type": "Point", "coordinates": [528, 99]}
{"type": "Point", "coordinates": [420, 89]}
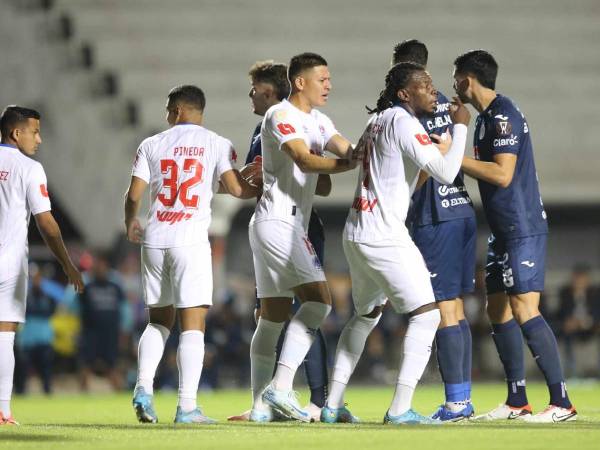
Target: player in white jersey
{"type": "Point", "coordinates": [384, 262]}
{"type": "Point", "coordinates": [294, 137]}
{"type": "Point", "coordinates": [23, 192]}
{"type": "Point", "coordinates": [183, 166]}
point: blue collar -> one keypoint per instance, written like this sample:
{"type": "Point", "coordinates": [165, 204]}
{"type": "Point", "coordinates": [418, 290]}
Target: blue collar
{"type": "Point", "coordinates": [9, 146]}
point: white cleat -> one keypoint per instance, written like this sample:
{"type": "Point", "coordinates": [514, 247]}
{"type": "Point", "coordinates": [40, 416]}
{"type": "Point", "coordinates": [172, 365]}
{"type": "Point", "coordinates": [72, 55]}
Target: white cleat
{"type": "Point", "coordinates": [285, 402]}
{"type": "Point", "coordinates": [553, 414]}
{"type": "Point", "coordinates": [314, 412]}
{"type": "Point", "coordinates": [506, 412]}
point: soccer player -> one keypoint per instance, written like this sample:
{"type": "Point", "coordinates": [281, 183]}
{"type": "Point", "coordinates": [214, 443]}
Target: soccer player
{"type": "Point", "coordinates": [23, 192]}
{"type": "Point", "coordinates": [442, 224]}
{"type": "Point", "coordinates": [183, 166]}
{"type": "Point", "coordinates": [508, 184]}
{"type": "Point", "coordinates": [294, 136]}
{"type": "Point", "coordinates": [384, 261]}
{"type": "Point", "coordinates": [269, 87]}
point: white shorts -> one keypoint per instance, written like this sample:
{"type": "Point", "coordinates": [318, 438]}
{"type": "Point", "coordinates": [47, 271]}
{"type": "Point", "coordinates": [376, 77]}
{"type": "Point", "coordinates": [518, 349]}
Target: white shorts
{"type": "Point", "coordinates": [390, 271]}
{"type": "Point", "coordinates": [178, 276]}
{"type": "Point", "coordinates": [13, 299]}
{"type": "Point", "coordinates": [283, 257]}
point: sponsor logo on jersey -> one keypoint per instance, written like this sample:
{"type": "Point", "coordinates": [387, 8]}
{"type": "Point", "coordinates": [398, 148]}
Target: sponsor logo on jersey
{"type": "Point", "coordinates": [445, 190]}
{"type": "Point", "coordinates": [423, 139]}
{"type": "Point", "coordinates": [4, 175]}
{"type": "Point", "coordinates": [502, 142]}
{"type": "Point", "coordinates": [172, 216]}
{"type": "Point", "coordinates": [439, 122]}
{"type": "Point", "coordinates": [233, 156]}
{"type": "Point", "coordinates": [446, 203]}
{"type": "Point", "coordinates": [442, 107]}
{"type": "Point", "coordinates": [501, 117]}
{"type": "Point", "coordinates": [43, 190]}
{"type": "Point", "coordinates": [503, 128]}
{"type": "Point", "coordinates": [528, 263]}
{"type": "Point", "coordinates": [285, 128]}
{"type": "Point", "coordinates": [363, 204]}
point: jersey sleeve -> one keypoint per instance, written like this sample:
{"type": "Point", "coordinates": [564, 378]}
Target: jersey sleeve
{"type": "Point", "coordinates": [38, 199]}
{"type": "Point", "coordinates": [141, 167]}
{"type": "Point", "coordinates": [507, 130]}
{"type": "Point", "coordinates": [283, 126]}
{"type": "Point", "coordinates": [414, 140]}
{"type": "Point", "coordinates": [226, 157]}
{"type": "Point", "coordinates": [327, 128]}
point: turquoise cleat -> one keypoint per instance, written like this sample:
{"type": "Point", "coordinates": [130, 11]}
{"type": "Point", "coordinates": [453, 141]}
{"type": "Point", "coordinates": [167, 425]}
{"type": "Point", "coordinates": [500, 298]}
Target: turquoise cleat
{"type": "Point", "coordinates": [338, 415]}
{"type": "Point", "coordinates": [143, 406]}
{"type": "Point", "coordinates": [410, 417]}
{"type": "Point", "coordinates": [193, 416]}
{"type": "Point", "coordinates": [261, 416]}
{"type": "Point", "coordinates": [286, 403]}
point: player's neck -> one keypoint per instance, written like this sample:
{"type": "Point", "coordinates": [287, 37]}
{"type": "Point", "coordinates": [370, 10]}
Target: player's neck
{"type": "Point", "coordinates": [189, 118]}
{"type": "Point", "coordinates": [300, 102]}
{"type": "Point", "coordinates": [483, 99]}
{"type": "Point", "coordinates": [8, 143]}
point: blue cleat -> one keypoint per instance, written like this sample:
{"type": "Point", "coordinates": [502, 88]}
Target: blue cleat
{"type": "Point", "coordinates": [410, 417]}
{"type": "Point", "coordinates": [285, 403]}
{"type": "Point", "coordinates": [444, 414]}
{"type": "Point", "coordinates": [261, 416]}
{"type": "Point", "coordinates": [193, 416]}
{"type": "Point", "coordinates": [338, 415]}
{"type": "Point", "coordinates": [143, 406]}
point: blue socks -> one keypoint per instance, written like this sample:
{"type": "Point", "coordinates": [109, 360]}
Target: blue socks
{"type": "Point", "coordinates": [450, 352]}
{"type": "Point", "coordinates": [467, 356]}
{"type": "Point", "coordinates": [542, 343]}
{"type": "Point", "coordinates": [509, 344]}
{"type": "Point", "coordinates": [315, 368]}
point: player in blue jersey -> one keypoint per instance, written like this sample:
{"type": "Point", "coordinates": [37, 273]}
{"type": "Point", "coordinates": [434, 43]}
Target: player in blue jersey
{"type": "Point", "coordinates": [269, 86]}
{"type": "Point", "coordinates": [442, 223]}
{"type": "Point", "coordinates": [508, 184]}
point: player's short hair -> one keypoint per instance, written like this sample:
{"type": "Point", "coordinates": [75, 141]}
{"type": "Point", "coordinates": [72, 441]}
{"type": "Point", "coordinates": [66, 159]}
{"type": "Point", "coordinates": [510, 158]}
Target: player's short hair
{"type": "Point", "coordinates": [397, 78]}
{"type": "Point", "coordinates": [480, 64]}
{"type": "Point", "coordinates": [13, 116]}
{"type": "Point", "coordinates": [410, 50]}
{"type": "Point", "coordinates": [272, 73]}
{"type": "Point", "coordinates": [304, 61]}
{"type": "Point", "coordinates": [188, 95]}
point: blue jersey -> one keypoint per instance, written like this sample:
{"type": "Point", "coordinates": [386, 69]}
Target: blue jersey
{"type": "Point", "coordinates": [316, 233]}
{"type": "Point", "coordinates": [435, 202]}
{"type": "Point", "coordinates": [517, 210]}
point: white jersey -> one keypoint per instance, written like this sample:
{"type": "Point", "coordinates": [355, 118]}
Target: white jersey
{"type": "Point", "coordinates": [396, 147]}
{"type": "Point", "coordinates": [182, 165]}
{"type": "Point", "coordinates": [287, 191]}
{"type": "Point", "coordinates": [22, 192]}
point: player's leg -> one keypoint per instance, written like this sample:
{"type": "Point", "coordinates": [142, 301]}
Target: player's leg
{"type": "Point", "coordinates": [192, 287]}
{"type": "Point", "coordinates": [527, 258]}
{"type": "Point", "coordinates": [13, 294]}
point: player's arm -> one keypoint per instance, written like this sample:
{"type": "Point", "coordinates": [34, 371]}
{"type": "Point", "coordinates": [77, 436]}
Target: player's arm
{"type": "Point", "coordinates": [499, 172]}
{"type": "Point", "coordinates": [237, 186]}
{"type": "Point", "coordinates": [50, 231]}
{"type": "Point", "coordinates": [339, 146]}
{"type": "Point", "coordinates": [309, 163]}
{"type": "Point", "coordinates": [133, 201]}
{"type": "Point", "coordinates": [323, 188]}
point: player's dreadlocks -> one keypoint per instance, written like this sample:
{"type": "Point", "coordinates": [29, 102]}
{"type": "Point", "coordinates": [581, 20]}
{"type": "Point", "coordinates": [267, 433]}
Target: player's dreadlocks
{"type": "Point", "coordinates": [397, 78]}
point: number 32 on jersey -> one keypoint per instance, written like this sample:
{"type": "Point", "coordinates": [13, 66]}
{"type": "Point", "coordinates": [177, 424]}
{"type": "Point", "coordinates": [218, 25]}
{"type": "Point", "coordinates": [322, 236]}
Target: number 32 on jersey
{"type": "Point", "coordinates": [173, 189]}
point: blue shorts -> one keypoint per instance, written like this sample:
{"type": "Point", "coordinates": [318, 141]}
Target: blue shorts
{"type": "Point", "coordinates": [516, 266]}
{"type": "Point", "coordinates": [449, 252]}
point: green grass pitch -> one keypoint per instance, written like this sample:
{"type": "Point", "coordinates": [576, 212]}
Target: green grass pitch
{"type": "Point", "coordinates": [108, 422]}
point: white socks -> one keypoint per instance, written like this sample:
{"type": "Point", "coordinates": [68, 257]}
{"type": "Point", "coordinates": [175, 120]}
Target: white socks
{"type": "Point", "coordinates": [7, 369]}
{"type": "Point", "coordinates": [416, 352]}
{"type": "Point", "coordinates": [262, 358]}
{"type": "Point", "coordinates": [190, 358]}
{"type": "Point", "coordinates": [298, 339]}
{"type": "Point", "coordinates": [349, 348]}
{"type": "Point", "coordinates": [150, 351]}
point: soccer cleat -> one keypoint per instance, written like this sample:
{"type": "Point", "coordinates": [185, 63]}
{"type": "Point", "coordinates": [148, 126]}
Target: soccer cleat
{"type": "Point", "coordinates": [553, 414]}
{"type": "Point", "coordinates": [506, 412]}
{"type": "Point", "coordinates": [8, 421]}
{"type": "Point", "coordinates": [243, 417]}
{"type": "Point", "coordinates": [261, 415]}
{"type": "Point", "coordinates": [313, 411]}
{"type": "Point", "coordinates": [410, 417]}
{"type": "Point", "coordinates": [337, 415]}
{"type": "Point", "coordinates": [445, 414]}
{"type": "Point", "coordinates": [193, 416]}
{"type": "Point", "coordinates": [285, 402]}
{"type": "Point", "coordinates": [143, 406]}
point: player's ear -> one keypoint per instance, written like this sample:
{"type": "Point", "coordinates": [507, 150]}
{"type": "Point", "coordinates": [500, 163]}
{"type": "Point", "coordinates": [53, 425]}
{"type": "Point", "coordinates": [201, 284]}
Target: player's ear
{"type": "Point", "coordinates": [402, 94]}
{"type": "Point", "coordinates": [299, 83]}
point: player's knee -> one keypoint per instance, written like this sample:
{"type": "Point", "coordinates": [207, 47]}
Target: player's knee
{"type": "Point", "coordinates": [374, 314]}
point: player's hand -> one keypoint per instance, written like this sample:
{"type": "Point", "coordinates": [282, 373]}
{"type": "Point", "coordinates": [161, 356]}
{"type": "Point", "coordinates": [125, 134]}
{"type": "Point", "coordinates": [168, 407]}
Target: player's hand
{"type": "Point", "coordinates": [135, 232]}
{"type": "Point", "coordinates": [442, 142]}
{"type": "Point", "coordinates": [75, 278]}
{"type": "Point", "coordinates": [459, 112]}
{"type": "Point", "coordinates": [252, 172]}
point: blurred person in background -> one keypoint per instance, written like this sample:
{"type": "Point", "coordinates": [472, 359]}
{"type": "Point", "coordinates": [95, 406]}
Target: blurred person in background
{"type": "Point", "coordinates": [578, 315]}
{"type": "Point", "coordinates": [100, 309]}
{"type": "Point", "coordinates": [34, 340]}
{"type": "Point", "coordinates": [23, 192]}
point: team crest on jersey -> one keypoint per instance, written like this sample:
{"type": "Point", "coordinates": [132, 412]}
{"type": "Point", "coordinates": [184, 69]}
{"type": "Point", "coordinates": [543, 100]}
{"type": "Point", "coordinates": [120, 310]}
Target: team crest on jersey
{"type": "Point", "coordinates": [503, 127]}
{"type": "Point", "coordinates": [233, 156]}
{"type": "Point", "coordinates": [280, 114]}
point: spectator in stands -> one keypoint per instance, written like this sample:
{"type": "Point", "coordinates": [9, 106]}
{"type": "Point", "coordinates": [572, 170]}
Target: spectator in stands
{"type": "Point", "coordinates": [34, 340]}
{"type": "Point", "coordinates": [100, 312]}
{"type": "Point", "coordinates": [578, 316]}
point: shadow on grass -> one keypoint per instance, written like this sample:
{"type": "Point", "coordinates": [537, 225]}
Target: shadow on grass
{"type": "Point", "coordinates": [11, 436]}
